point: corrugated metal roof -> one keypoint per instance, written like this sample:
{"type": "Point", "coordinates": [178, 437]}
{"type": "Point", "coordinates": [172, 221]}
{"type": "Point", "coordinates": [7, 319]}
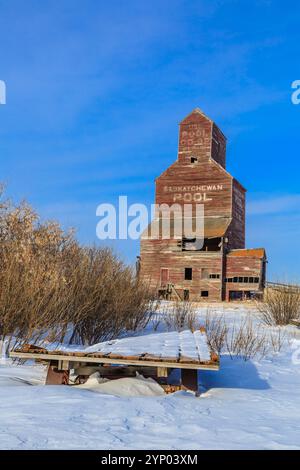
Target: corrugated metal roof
{"type": "Point", "coordinates": [214, 227]}
{"type": "Point", "coordinates": [249, 253]}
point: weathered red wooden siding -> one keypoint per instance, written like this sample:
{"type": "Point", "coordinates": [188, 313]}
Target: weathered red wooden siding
{"type": "Point", "coordinates": [236, 231]}
{"type": "Point", "coordinates": [202, 181]}
{"type": "Point", "coordinates": [244, 266]}
{"type": "Point", "coordinates": [199, 183]}
{"type": "Point", "coordinates": [155, 257]}
{"type": "Point", "coordinates": [218, 147]}
{"type": "Point", "coordinates": [195, 138]}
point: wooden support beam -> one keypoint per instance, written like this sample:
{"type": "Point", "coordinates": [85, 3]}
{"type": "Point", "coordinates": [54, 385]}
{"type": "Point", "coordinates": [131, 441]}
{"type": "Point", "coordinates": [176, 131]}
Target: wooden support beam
{"type": "Point", "coordinates": [189, 380]}
{"type": "Point", "coordinates": [162, 372]}
{"type": "Point", "coordinates": [63, 365]}
{"type": "Point", "coordinates": [136, 361]}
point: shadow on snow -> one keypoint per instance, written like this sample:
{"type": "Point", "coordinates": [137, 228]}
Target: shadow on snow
{"type": "Point", "coordinates": [234, 373]}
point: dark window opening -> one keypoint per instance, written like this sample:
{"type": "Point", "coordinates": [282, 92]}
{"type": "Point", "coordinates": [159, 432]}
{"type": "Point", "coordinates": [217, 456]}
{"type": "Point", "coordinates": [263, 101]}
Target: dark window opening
{"type": "Point", "coordinates": [186, 294]}
{"type": "Point", "coordinates": [211, 244]}
{"type": "Point", "coordinates": [243, 280]}
{"type": "Point", "coordinates": [204, 293]}
{"type": "Point", "coordinates": [188, 274]}
{"type": "Point", "coordinates": [240, 295]}
{"type": "Point", "coordinates": [235, 295]}
{"type": "Point", "coordinates": [214, 276]}
{"type": "Point", "coordinates": [194, 159]}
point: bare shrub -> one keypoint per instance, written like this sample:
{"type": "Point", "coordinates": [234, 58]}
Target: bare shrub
{"type": "Point", "coordinates": [49, 284]}
{"type": "Point", "coordinates": [31, 274]}
{"type": "Point", "coordinates": [155, 321]}
{"type": "Point", "coordinates": [108, 299]}
{"type": "Point", "coordinates": [278, 339]}
{"type": "Point", "coordinates": [280, 305]}
{"type": "Point", "coordinates": [247, 340]}
{"type": "Point", "coordinates": [216, 331]}
{"type": "Point", "coordinates": [181, 315]}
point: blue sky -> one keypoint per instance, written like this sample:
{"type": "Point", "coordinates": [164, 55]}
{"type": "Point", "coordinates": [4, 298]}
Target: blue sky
{"type": "Point", "coordinates": [96, 89]}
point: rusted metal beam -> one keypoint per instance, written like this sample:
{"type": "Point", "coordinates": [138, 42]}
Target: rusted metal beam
{"type": "Point", "coordinates": [56, 376]}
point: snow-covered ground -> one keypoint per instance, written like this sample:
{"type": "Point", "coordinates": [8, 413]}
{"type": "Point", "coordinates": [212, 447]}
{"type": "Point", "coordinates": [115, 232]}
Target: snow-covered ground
{"type": "Point", "coordinates": [247, 405]}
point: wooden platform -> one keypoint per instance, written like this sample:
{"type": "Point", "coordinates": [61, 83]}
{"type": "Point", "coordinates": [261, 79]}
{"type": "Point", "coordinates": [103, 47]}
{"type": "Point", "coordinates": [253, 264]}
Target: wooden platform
{"type": "Point", "coordinates": [185, 351]}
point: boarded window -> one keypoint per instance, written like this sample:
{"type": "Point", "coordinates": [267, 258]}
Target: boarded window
{"type": "Point", "coordinates": [188, 274]}
{"type": "Point", "coordinates": [164, 275]}
{"type": "Point", "coordinates": [204, 273]}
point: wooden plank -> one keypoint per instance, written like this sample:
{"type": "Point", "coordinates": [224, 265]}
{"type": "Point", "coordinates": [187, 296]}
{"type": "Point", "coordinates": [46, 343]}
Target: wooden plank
{"type": "Point", "coordinates": [188, 360]}
{"type": "Point", "coordinates": [110, 355]}
{"type": "Point", "coordinates": [106, 360]}
{"type": "Point", "coordinates": [150, 357]}
{"type": "Point", "coordinates": [171, 388]}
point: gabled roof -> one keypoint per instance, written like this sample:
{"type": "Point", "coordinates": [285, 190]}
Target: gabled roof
{"type": "Point", "coordinates": [196, 111]}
